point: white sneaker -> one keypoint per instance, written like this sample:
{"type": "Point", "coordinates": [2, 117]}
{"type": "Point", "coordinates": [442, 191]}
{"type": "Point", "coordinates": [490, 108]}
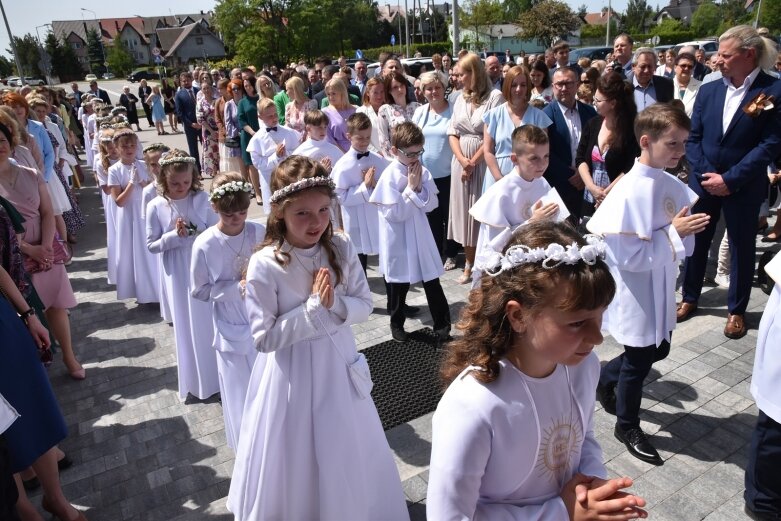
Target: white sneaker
{"type": "Point", "coordinates": [721, 280]}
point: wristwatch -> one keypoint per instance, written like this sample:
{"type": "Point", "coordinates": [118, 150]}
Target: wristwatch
{"type": "Point", "coordinates": [25, 316]}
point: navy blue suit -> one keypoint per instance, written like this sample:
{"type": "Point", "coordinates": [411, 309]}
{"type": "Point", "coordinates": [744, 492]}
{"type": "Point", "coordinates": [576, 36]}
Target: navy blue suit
{"type": "Point", "coordinates": [185, 111]}
{"type": "Point", "coordinates": [559, 171]}
{"type": "Point", "coordinates": [741, 155]}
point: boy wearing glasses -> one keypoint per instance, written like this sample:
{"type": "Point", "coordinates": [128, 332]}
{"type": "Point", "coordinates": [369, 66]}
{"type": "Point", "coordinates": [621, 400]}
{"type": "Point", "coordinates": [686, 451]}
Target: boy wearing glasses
{"type": "Point", "coordinates": [404, 193]}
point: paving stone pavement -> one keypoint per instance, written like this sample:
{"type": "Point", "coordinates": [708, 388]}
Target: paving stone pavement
{"type": "Point", "coordinates": [141, 454]}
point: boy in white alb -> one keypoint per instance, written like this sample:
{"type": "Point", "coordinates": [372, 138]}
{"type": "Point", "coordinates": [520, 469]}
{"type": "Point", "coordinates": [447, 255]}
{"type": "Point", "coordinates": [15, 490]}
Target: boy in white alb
{"type": "Point", "coordinates": [648, 233]}
{"type": "Point", "coordinates": [316, 146]}
{"type": "Point", "coordinates": [271, 144]}
{"type": "Point", "coordinates": [408, 253]}
{"type": "Point", "coordinates": [522, 196]}
{"type": "Point", "coordinates": [355, 176]}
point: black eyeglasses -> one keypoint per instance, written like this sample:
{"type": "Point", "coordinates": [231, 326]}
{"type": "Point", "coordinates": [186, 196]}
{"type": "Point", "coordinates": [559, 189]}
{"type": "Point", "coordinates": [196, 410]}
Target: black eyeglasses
{"type": "Point", "coordinates": [412, 155]}
{"type": "Point", "coordinates": [685, 66]}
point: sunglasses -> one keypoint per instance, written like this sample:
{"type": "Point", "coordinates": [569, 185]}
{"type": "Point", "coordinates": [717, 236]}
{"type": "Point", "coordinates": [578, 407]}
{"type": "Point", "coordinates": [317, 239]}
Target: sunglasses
{"type": "Point", "coordinates": [412, 155]}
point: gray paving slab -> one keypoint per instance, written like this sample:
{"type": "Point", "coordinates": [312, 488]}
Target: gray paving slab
{"type": "Point", "coordinates": [142, 454]}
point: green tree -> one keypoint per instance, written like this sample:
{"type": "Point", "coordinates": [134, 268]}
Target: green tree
{"type": "Point", "coordinates": [7, 67]}
{"type": "Point", "coordinates": [119, 60]}
{"type": "Point", "coordinates": [706, 19]}
{"type": "Point", "coordinates": [770, 16]}
{"type": "Point", "coordinates": [598, 32]}
{"type": "Point", "coordinates": [29, 54]}
{"type": "Point", "coordinates": [65, 63]}
{"type": "Point", "coordinates": [480, 14]}
{"type": "Point", "coordinates": [514, 8]}
{"type": "Point", "coordinates": [95, 51]}
{"type": "Point", "coordinates": [547, 21]}
{"type": "Point", "coordinates": [582, 10]}
{"type": "Point", "coordinates": [638, 16]}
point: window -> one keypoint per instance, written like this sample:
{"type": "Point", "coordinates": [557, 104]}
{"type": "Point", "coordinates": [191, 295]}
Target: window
{"type": "Point", "coordinates": [76, 45]}
{"type": "Point", "coordinates": [199, 40]}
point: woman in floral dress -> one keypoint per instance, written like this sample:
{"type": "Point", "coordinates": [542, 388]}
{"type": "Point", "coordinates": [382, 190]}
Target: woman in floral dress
{"type": "Point", "coordinates": [396, 109]}
{"type": "Point", "coordinates": [210, 160]}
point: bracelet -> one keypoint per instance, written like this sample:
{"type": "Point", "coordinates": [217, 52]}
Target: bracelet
{"type": "Point", "coordinates": [25, 315]}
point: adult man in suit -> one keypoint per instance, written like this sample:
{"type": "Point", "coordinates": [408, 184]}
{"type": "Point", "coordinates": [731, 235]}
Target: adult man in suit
{"type": "Point", "coordinates": [361, 76]}
{"type": "Point", "coordinates": [649, 88]}
{"type": "Point", "coordinates": [100, 93]}
{"type": "Point", "coordinates": [494, 70]}
{"type": "Point", "coordinates": [622, 53]}
{"type": "Point", "coordinates": [76, 95]}
{"type": "Point", "coordinates": [561, 54]}
{"type": "Point", "coordinates": [185, 110]}
{"type": "Point", "coordinates": [569, 116]}
{"type": "Point", "coordinates": [729, 151]}
{"type": "Point", "coordinates": [144, 91]}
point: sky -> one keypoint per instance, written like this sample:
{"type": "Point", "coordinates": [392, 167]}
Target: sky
{"type": "Point", "coordinates": [24, 15]}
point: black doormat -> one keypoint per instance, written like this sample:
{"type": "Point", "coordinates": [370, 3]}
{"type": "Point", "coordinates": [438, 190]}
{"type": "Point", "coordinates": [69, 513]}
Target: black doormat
{"type": "Point", "coordinates": [406, 377]}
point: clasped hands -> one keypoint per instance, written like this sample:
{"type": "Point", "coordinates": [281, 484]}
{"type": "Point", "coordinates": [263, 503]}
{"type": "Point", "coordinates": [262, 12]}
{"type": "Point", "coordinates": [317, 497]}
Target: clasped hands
{"type": "Point", "coordinates": [590, 498]}
{"type": "Point", "coordinates": [415, 176]}
{"type": "Point", "coordinates": [322, 287]}
{"type": "Point", "coordinates": [714, 184]}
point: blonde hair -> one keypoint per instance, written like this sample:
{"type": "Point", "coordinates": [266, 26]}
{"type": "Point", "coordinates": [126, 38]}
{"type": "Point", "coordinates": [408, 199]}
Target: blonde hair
{"type": "Point", "coordinates": [175, 168]}
{"type": "Point", "coordinates": [749, 38]}
{"type": "Point", "coordinates": [427, 78]}
{"type": "Point", "coordinates": [297, 84]}
{"type": "Point", "coordinates": [337, 86]}
{"type": "Point", "coordinates": [481, 87]}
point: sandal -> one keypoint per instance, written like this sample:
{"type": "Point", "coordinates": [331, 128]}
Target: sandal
{"type": "Point", "coordinates": [467, 275]}
{"type": "Point", "coordinates": [450, 264]}
{"type": "Point", "coordinates": [773, 236]}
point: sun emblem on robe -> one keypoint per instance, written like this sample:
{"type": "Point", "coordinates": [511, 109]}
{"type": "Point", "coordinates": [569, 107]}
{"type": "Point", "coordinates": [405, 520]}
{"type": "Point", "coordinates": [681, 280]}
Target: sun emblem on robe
{"type": "Point", "coordinates": [559, 442]}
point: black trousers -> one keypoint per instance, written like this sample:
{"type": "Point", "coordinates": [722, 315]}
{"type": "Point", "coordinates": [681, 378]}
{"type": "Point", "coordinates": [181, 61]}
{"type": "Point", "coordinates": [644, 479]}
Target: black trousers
{"type": "Point", "coordinates": [8, 492]}
{"type": "Point", "coordinates": [148, 112]}
{"type": "Point", "coordinates": [437, 303]}
{"type": "Point", "coordinates": [438, 217]}
{"type": "Point", "coordinates": [192, 136]}
{"type": "Point", "coordinates": [626, 374]}
{"type": "Point", "coordinates": [763, 472]}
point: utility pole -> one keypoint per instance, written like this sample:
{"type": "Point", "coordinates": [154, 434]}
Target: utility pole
{"type": "Point", "coordinates": [13, 47]}
{"type": "Point", "coordinates": [406, 27]}
{"type": "Point", "coordinates": [609, 14]}
{"type": "Point", "coordinates": [456, 35]}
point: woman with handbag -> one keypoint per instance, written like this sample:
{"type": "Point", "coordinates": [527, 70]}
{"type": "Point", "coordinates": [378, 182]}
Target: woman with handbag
{"type": "Point", "coordinates": [232, 157]}
{"type": "Point", "coordinates": [44, 255]}
{"type": "Point", "coordinates": [204, 110]}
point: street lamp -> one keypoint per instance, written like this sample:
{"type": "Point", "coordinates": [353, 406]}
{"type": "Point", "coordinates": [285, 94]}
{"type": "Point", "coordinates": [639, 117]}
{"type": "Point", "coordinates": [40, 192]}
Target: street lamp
{"type": "Point", "coordinates": [500, 38]}
{"type": "Point", "coordinates": [100, 33]}
{"type": "Point", "coordinates": [45, 59]}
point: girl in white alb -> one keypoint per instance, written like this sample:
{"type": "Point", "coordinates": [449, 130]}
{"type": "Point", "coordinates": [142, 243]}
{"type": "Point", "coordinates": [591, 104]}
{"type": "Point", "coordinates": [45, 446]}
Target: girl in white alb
{"type": "Point", "coordinates": [217, 275]}
{"type": "Point", "coordinates": [311, 443]}
{"type": "Point", "coordinates": [152, 154]}
{"type": "Point", "coordinates": [173, 220]}
{"type": "Point", "coordinates": [513, 434]}
{"type": "Point", "coordinates": [109, 155]}
{"type": "Point", "coordinates": [136, 275]}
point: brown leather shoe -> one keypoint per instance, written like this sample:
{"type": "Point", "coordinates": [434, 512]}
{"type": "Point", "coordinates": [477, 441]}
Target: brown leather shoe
{"type": "Point", "coordinates": [736, 327]}
{"type": "Point", "coordinates": [685, 310]}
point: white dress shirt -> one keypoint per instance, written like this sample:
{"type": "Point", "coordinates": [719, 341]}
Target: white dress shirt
{"type": "Point", "coordinates": [574, 126]}
{"type": "Point", "coordinates": [735, 97]}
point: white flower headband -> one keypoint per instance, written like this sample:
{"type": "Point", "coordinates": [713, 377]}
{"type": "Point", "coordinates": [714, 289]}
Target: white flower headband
{"type": "Point", "coordinates": [302, 184]}
{"type": "Point", "coordinates": [233, 186]}
{"type": "Point", "coordinates": [551, 256]}
{"type": "Point", "coordinates": [177, 159]}
{"type": "Point", "coordinates": [122, 131]}
{"type": "Point", "coordinates": [154, 147]}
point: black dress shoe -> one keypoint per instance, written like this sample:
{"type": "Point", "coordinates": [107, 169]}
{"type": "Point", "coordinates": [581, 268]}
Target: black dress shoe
{"type": "Point", "coordinates": [607, 398]}
{"type": "Point", "coordinates": [64, 463]}
{"type": "Point", "coordinates": [638, 445]}
{"type": "Point", "coordinates": [398, 334]}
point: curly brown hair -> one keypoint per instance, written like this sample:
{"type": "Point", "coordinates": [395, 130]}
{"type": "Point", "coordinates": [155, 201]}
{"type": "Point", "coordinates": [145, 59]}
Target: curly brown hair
{"type": "Point", "coordinates": [293, 169]}
{"type": "Point", "coordinates": [166, 170]}
{"type": "Point", "coordinates": [487, 332]}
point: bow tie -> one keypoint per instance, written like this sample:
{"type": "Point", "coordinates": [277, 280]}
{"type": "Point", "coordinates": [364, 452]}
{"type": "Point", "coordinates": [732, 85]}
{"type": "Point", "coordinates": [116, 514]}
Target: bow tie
{"type": "Point", "coordinates": [360, 155]}
{"type": "Point", "coordinates": [269, 129]}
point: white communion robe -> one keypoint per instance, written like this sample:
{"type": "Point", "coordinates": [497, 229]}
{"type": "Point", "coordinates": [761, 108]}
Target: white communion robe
{"type": "Point", "coordinates": [504, 450]}
{"type": "Point", "coordinates": [503, 209]}
{"type": "Point", "coordinates": [136, 269]}
{"type": "Point", "coordinates": [262, 149]}
{"type": "Point", "coordinates": [310, 446]}
{"type": "Point", "coordinates": [219, 264]}
{"type": "Point", "coordinates": [110, 215]}
{"type": "Point", "coordinates": [193, 330]}
{"type": "Point", "coordinates": [766, 376]}
{"type": "Point", "coordinates": [360, 217]}
{"type": "Point", "coordinates": [408, 252]}
{"type": "Point", "coordinates": [643, 253]}
{"type": "Point", "coordinates": [150, 192]}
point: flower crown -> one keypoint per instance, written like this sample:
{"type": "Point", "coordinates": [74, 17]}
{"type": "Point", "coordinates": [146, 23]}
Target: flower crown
{"type": "Point", "coordinates": [301, 184]}
{"type": "Point", "coordinates": [118, 110]}
{"type": "Point", "coordinates": [551, 256]}
{"type": "Point", "coordinates": [106, 135]}
{"type": "Point", "coordinates": [154, 147]}
{"type": "Point", "coordinates": [233, 186]}
{"type": "Point", "coordinates": [173, 160]}
{"type": "Point", "coordinates": [122, 132]}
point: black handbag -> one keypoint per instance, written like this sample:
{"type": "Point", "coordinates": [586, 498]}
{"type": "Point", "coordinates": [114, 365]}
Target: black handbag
{"type": "Point", "coordinates": [232, 142]}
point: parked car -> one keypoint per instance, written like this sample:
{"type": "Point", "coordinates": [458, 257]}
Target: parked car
{"type": "Point", "coordinates": [34, 82]}
{"type": "Point", "coordinates": [90, 77]}
{"type": "Point", "coordinates": [592, 53]}
{"type": "Point", "coordinates": [109, 76]}
{"type": "Point", "coordinates": [13, 81]}
{"type": "Point", "coordinates": [142, 74]}
{"type": "Point", "coordinates": [710, 47]}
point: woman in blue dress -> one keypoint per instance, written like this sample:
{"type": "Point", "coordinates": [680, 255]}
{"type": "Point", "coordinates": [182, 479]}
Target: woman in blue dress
{"type": "Point", "coordinates": [155, 100]}
{"type": "Point", "coordinates": [502, 120]}
{"type": "Point", "coordinates": [33, 436]}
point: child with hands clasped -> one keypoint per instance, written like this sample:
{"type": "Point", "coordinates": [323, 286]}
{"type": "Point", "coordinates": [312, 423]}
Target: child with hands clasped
{"type": "Point", "coordinates": [408, 253]}
{"type": "Point", "coordinates": [136, 269]}
{"type": "Point", "coordinates": [316, 146]}
{"type": "Point", "coordinates": [217, 275]}
{"type": "Point", "coordinates": [173, 219]}
{"type": "Point", "coordinates": [109, 155]}
{"type": "Point", "coordinates": [520, 197]}
{"type": "Point", "coordinates": [513, 434]}
{"type": "Point", "coordinates": [648, 230]}
{"type": "Point", "coordinates": [270, 145]}
{"type": "Point", "coordinates": [355, 176]}
{"type": "Point", "coordinates": [311, 443]}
